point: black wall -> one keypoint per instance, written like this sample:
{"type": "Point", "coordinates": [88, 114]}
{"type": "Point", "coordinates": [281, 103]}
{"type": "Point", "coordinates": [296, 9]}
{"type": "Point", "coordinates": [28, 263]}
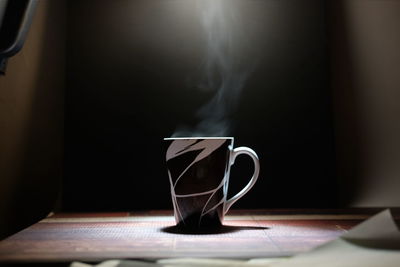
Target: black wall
{"type": "Point", "coordinates": [129, 69]}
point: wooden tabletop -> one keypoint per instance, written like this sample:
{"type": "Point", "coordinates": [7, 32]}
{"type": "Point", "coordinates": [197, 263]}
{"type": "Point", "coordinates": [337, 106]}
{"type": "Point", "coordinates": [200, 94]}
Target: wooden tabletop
{"type": "Point", "coordinates": [150, 235]}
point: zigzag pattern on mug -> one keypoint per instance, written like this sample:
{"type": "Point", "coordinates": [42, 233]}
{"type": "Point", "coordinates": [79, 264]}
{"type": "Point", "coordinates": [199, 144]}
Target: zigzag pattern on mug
{"type": "Point", "coordinates": [180, 147]}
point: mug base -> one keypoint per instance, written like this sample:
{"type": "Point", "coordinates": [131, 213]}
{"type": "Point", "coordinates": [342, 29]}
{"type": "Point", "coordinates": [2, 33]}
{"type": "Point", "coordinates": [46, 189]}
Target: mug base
{"type": "Point", "coordinates": [208, 222]}
{"type": "Point", "coordinates": [210, 229]}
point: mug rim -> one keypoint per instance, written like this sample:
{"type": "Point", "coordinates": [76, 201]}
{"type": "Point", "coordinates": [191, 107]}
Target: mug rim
{"type": "Point", "coordinates": [199, 137]}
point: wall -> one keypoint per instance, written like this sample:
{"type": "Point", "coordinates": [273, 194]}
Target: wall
{"type": "Point", "coordinates": [131, 79]}
{"type": "Point", "coordinates": [31, 122]}
{"type": "Point", "coordinates": [366, 82]}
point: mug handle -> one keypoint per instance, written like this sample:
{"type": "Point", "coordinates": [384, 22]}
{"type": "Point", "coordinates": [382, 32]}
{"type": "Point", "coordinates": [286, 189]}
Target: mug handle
{"type": "Point", "coordinates": [250, 152]}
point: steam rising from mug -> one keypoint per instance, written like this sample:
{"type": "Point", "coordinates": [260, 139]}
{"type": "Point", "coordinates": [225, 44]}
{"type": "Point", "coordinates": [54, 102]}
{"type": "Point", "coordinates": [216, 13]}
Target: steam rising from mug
{"type": "Point", "coordinates": [227, 66]}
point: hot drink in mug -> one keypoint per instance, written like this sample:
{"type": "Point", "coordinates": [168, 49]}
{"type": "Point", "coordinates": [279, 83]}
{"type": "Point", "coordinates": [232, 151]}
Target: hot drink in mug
{"type": "Point", "coordinates": [198, 170]}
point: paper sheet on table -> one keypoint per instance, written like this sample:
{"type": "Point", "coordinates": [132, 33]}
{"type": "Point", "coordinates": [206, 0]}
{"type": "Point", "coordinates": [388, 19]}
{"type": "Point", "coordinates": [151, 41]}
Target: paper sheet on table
{"type": "Point", "coordinates": [374, 242]}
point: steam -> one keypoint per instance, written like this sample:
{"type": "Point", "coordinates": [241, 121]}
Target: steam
{"type": "Point", "coordinates": [225, 70]}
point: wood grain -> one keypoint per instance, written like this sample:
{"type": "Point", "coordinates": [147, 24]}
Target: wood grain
{"type": "Point", "coordinates": [96, 237]}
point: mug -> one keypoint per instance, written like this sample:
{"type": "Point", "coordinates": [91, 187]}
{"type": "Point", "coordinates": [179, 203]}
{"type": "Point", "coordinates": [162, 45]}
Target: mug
{"type": "Point", "coordinates": [198, 170]}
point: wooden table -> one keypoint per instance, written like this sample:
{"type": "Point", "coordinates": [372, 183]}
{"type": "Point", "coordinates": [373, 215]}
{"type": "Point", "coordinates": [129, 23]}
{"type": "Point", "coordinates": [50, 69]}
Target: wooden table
{"type": "Point", "coordinates": [150, 235]}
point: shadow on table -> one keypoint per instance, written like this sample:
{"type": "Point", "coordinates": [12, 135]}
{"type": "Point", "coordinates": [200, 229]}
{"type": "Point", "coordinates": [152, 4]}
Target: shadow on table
{"type": "Point", "coordinates": [223, 229]}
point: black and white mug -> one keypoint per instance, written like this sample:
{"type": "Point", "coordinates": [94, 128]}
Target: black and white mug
{"type": "Point", "coordinates": [198, 169]}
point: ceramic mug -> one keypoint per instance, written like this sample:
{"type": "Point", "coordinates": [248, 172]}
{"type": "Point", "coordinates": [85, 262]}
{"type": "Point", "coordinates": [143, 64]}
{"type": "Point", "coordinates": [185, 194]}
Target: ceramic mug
{"type": "Point", "coordinates": [198, 169]}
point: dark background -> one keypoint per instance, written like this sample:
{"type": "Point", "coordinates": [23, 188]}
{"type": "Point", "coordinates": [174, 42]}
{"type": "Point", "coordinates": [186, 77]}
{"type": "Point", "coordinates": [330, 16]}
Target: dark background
{"type": "Point", "coordinates": [129, 65]}
{"type": "Point", "coordinates": [363, 70]}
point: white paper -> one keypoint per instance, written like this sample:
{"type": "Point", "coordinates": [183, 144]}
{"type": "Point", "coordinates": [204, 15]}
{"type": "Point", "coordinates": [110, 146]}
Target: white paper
{"type": "Point", "coordinates": [374, 242]}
